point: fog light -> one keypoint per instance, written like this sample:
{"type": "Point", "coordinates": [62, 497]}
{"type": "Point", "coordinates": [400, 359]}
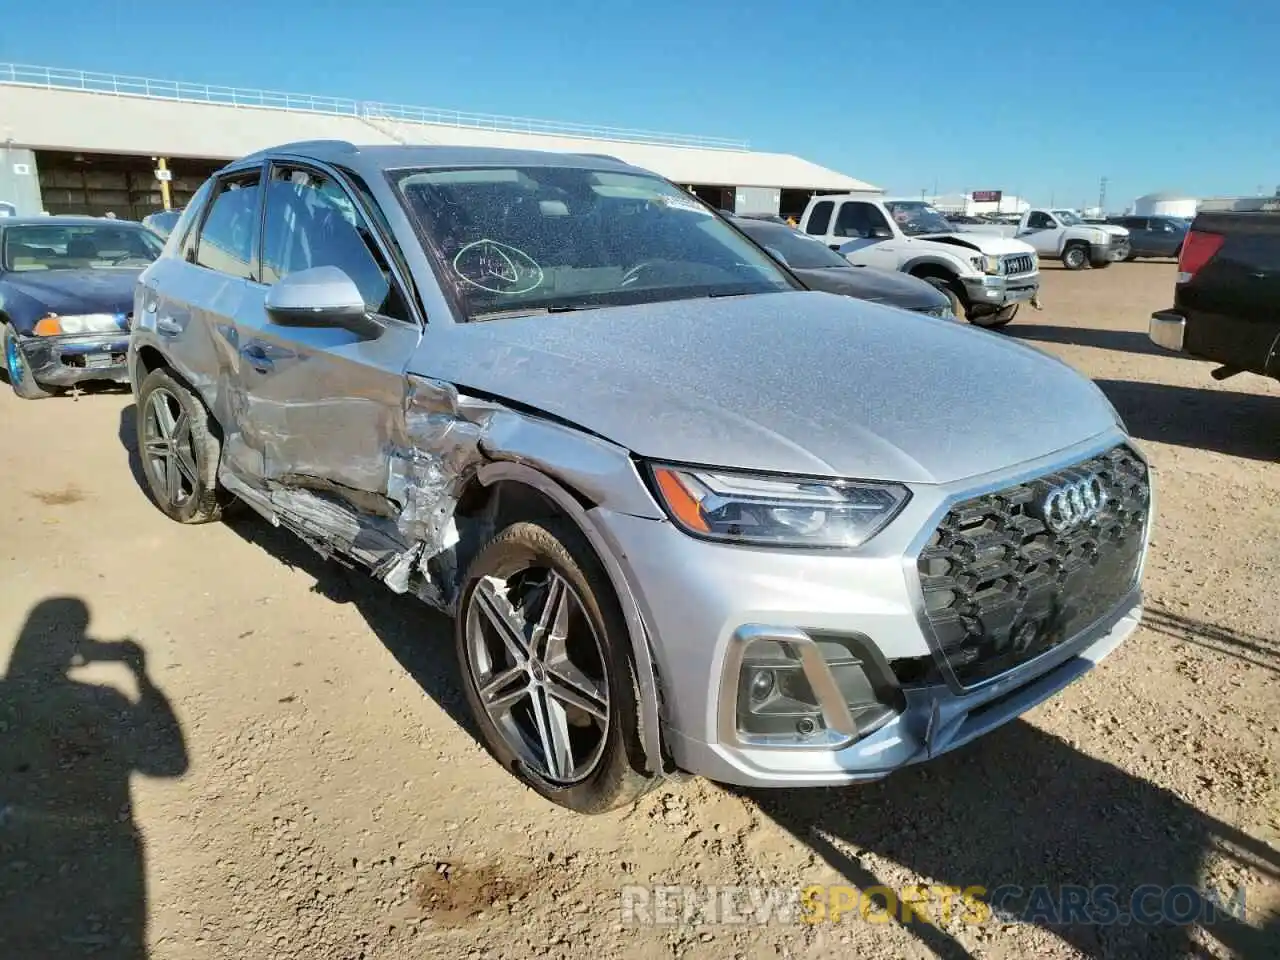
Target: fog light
{"type": "Point", "coordinates": [774, 696]}
{"type": "Point", "coordinates": [762, 684]}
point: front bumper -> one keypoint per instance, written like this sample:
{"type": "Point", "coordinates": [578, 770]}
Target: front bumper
{"type": "Point", "coordinates": [76, 358]}
{"type": "Point", "coordinates": [1167, 329]}
{"type": "Point", "coordinates": [704, 604]}
{"type": "Point", "coordinates": [998, 291]}
{"type": "Point", "coordinates": [1108, 252]}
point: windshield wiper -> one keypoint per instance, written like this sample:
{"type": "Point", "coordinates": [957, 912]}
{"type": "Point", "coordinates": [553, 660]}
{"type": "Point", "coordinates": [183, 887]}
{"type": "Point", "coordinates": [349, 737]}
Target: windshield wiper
{"type": "Point", "coordinates": [535, 311]}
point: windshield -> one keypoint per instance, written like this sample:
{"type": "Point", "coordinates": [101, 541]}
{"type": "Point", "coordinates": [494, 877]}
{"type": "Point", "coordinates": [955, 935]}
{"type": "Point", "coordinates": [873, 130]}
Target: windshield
{"type": "Point", "coordinates": [1067, 218]}
{"type": "Point", "coordinates": [529, 238]}
{"type": "Point", "coordinates": [915, 217]}
{"type": "Point", "coordinates": [797, 250]}
{"type": "Point", "coordinates": [81, 246]}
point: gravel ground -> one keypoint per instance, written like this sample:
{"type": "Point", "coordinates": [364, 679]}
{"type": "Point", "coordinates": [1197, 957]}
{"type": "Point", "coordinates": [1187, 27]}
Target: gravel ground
{"type": "Point", "coordinates": [279, 763]}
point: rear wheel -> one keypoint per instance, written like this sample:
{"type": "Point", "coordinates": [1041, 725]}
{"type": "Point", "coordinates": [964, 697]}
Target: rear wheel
{"type": "Point", "coordinates": [178, 449]}
{"type": "Point", "coordinates": [1076, 256]}
{"type": "Point", "coordinates": [17, 369]}
{"type": "Point", "coordinates": [548, 669]}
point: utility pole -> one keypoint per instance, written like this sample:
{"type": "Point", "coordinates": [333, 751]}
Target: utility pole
{"type": "Point", "coordinates": [1102, 197]}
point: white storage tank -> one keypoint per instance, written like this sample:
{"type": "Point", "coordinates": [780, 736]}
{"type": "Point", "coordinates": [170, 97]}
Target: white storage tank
{"type": "Point", "coordinates": [1165, 205]}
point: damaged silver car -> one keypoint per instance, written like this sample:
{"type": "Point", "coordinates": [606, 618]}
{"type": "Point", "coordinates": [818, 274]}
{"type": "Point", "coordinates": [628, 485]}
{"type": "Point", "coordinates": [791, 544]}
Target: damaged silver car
{"type": "Point", "coordinates": [687, 515]}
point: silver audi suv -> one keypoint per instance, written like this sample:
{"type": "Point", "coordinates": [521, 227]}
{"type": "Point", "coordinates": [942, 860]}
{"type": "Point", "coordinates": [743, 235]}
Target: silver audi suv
{"type": "Point", "coordinates": [687, 515]}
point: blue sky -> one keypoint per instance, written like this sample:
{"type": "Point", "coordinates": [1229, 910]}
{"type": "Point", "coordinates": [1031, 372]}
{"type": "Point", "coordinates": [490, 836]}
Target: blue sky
{"type": "Point", "coordinates": [1039, 99]}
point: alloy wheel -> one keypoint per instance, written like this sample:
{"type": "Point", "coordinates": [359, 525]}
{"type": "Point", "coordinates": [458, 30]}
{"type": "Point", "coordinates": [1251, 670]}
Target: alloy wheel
{"type": "Point", "coordinates": [539, 669]}
{"type": "Point", "coordinates": [168, 453]}
{"type": "Point", "coordinates": [13, 359]}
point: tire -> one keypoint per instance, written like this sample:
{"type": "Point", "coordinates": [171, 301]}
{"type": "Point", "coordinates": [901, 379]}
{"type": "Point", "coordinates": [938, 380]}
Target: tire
{"type": "Point", "coordinates": [945, 285]}
{"type": "Point", "coordinates": [16, 369]}
{"type": "Point", "coordinates": [1000, 318]}
{"type": "Point", "coordinates": [518, 567]}
{"type": "Point", "coordinates": [192, 449]}
{"type": "Point", "coordinates": [1075, 256]}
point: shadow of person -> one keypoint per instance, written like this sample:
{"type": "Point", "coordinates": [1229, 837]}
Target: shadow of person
{"type": "Point", "coordinates": [72, 874]}
{"type": "Point", "coordinates": [1021, 808]}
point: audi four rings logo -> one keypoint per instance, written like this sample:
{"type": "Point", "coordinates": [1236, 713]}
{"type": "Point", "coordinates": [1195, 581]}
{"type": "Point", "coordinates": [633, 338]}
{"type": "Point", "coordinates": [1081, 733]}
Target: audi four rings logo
{"type": "Point", "coordinates": [1074, 503]}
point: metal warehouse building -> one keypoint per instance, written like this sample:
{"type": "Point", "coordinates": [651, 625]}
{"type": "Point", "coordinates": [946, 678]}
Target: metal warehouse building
{"type": "Point", "coordinates": [76, 142]}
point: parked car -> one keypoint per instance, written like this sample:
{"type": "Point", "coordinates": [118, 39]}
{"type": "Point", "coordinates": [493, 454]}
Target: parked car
{"type": "Point", "coordinates": [1226, 304]}
{"type": "Point", "coordinates": [161, 222]}
{"type": "Point", "coordinates": [687, 515]}
{"type": "Point", "coordinates": [821, 268]}
{"type": "Point", "coordinates": [985, 277]}
{"type": "Point", "coordinates": [1153, 236]}
{"type": "Point", "coordinates": [66, 297]}
{"type": "Point", "coordinates": [1061, 234]}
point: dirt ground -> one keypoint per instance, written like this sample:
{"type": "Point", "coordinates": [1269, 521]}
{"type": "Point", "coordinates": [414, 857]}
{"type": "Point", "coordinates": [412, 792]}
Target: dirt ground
{"type": "Point", "coordinates": [279, 764]}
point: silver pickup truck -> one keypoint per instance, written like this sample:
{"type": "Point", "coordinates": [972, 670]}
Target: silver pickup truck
{"type": "Point", "coordinates": [1062, 234]}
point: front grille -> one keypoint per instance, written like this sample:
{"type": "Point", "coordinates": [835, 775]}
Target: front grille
{"type": "Point", "coordinates": [1001, 587]}
{"type": "Point", "coordinates": [1020, 263]}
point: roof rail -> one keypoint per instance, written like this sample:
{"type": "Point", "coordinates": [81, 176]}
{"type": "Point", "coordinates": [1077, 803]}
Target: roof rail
{"type": "Point", "coordinates": [601, 156]}
{"type": "Point", "coordinates": [298, 146]}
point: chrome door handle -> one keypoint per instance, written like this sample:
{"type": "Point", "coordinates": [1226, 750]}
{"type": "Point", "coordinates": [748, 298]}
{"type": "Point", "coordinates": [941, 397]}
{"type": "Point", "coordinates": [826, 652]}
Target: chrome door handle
{"type": "Point", "coordinates": [168, 326]}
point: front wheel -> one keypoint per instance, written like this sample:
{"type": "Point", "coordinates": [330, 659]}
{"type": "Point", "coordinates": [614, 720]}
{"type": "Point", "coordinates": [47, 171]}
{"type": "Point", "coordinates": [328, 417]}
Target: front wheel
{"type": "Point", "coordinates": [948, 290]}
{"type": "Point", "coordinates": [17, 369]}
{"type": "Point", "coordinates": [548, 669]}
{"type": "Point", "coordinates": [178, 449]}
{"type": "Point", "coordinates": [1075, 257]}
{"type": "Point", "coordinates": [999, 318]}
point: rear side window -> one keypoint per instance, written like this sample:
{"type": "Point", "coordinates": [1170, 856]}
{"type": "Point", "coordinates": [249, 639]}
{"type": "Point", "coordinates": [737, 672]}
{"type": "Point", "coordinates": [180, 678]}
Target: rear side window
{"type": "Point", "coordinates": [311, 222]}
{"type": "Point", "coordinates": [230, 232]}
{"type": "Point", "coordinates": [820, 219]}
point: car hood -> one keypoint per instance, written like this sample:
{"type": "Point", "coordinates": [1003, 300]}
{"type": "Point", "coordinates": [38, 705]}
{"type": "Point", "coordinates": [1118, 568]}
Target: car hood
{"type": "Point", "coordinates": [800, 382]}
{"type": "Point", "coordinates": [69, 292]}
{"type": "Point", "coordinates": [869, 283]}
{"type": "Point", "coordinates": [1114, 229]}
{"type": "Point", "coordinates": [991, 243]}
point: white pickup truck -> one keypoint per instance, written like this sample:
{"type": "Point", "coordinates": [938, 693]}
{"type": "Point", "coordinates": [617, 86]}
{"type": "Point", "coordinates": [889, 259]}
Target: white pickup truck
{"type": "Point", "coordinates": [984, 277]}
{"type": "Point", "coordinates": [1063, 235]}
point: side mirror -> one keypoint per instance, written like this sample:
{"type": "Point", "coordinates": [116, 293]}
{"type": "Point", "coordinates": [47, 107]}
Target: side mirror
{"type": "Point", "coordinates": [321, 297]}
{"type": "Point", "coordinates": [881, 233]}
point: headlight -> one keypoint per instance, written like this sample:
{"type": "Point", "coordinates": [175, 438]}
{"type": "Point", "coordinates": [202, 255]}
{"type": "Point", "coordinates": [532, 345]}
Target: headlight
{"type": "Point", "coordinates": [776, 511]}
{"type": "Point", "coordinates": [1101, 236]}
{"type": "Point", "coordinates": [54, 325]}
{"type": "Point", "coordinates": [988, 264]}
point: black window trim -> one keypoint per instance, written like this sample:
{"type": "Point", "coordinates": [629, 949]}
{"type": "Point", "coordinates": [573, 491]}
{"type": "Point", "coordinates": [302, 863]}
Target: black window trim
{"type": "Point", "coordinates": [389, 250]}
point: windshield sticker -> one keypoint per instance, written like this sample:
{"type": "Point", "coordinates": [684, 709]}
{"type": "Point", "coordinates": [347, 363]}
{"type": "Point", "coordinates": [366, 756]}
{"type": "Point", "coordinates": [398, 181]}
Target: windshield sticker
{"type": "Point", "coordinates": [688, 204]}
{"type": "Point", "coordinates": [497, 268]}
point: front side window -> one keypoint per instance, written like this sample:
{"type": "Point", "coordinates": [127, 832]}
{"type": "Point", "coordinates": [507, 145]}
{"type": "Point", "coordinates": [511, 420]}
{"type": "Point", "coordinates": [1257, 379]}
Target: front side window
{"type": "Point", "coordinates": [916, 218]}
{"type": "Point", "coordinates": [230, 232]}
{"type": "Point", "coordinates": [87, 246]}
{"type": "Point", "coordinates": [1040, 221]}
{"type": "Point", "coordinates": [860, 220]}
{"type": "Point", "coordinates": [523, 239]}
{"type": "Point", "coordinates": [311, 222]}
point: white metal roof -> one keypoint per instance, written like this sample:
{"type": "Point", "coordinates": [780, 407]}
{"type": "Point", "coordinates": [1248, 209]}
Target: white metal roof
{"type": "Point", "coordinates": [45, 109]}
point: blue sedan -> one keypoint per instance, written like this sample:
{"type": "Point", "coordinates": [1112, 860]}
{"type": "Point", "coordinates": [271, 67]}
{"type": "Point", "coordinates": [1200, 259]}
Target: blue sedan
{"type": "Point", "coordinates": [66, 299]}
